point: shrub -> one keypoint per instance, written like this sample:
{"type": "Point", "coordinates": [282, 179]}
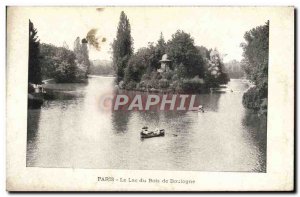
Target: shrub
{"type": "Point", "coordinates": [164, 83]}
{"type": "Point", "coordinates": [176, 85]}
{"type": "Point", "coordinates": [167, 75]}
{"type": "Point", "coordinates": [131, 85]}
{"type": "Point", "coordinates": [194, 84]}
{"type": "Point", "coordinates": [154, 84]}
{"type": "Point", "coordinates": [251, 99]}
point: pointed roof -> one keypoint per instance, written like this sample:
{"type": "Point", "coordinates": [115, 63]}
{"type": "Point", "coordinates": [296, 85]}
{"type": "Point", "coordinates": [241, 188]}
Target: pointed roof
{"type": "Point", "coordinates": [165, 58]}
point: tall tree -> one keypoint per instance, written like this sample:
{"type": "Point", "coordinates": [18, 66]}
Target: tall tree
{"type": "Point", "coordinates": [160, 50]}
{"type": "Point", "coordinates": [34, 70]}
{"type": "Point", "coordinates": [182, 50]}
{"type": "Point", "coordinates": [122, 46]}
{"type": "Point", "coordinates": [82, 54]}
{"type": "Point", "coordinates": [77, 47]}
{"type": "Point", "coordinates": [215, 72]}
{"type": "Point", "coordinates": [255, 64]}
{"type": "Point", "coordinates": [256, 55]}
{"type": "Point", "coordinates": [85, 55]}
{"type": "Point", "coordinates": [161, 44]}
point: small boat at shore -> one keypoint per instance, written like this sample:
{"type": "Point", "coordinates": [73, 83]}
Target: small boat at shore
{"type": "Point", "coordinates": [145, 133]}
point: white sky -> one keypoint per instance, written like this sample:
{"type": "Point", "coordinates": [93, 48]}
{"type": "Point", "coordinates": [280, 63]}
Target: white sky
{"type": "Point", "coordinates": [221, 28]}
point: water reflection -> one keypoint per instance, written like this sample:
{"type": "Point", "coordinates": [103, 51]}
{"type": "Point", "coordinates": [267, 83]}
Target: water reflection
{"type": "Point", "coordinates": [120, 120]}
{"type": "Point", "coordinates": [78, 133]}
{"type": "Point", "coordinates": [32, 132]}
{"type": "Point", "coordinates": [256, 127]}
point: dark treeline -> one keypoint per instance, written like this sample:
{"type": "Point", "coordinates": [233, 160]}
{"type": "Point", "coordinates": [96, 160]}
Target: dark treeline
{"type": "Point", "coordinates": [60, 63]}
{"type": "Point", "coordinates": [192, 68]}
{"type": "Point", "coordinates": [255, 64]}
{"type": "Point", "coordinates": [34, 68]}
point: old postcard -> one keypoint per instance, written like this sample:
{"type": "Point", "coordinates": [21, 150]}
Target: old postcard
{"type": "Point", "coordinates": [150, 98]}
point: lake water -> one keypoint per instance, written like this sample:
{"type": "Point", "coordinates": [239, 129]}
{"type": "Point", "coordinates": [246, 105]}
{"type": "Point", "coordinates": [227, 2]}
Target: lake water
{"type": "Point", "coordinates": [77, 133]}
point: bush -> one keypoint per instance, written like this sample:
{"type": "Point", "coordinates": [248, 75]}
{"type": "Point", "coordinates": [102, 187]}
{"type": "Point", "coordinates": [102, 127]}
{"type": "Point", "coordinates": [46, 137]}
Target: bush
{"type": "Point", "coordinates": [194, 84]}
{"type": "Point", "coordinates": [131, 85]}
{"type": "Point", "coordinates": [154, 84]}
{"type": "Point", "coordinates": [65, 72]}
{"type": "Point", "coordinates": [164, 83]}
{"type": "Point", "coordinates": [167, 75]}
{"type": "Point", "coordinates": [251, 99]}
{"type": "Point", "coordinates": [176, 85]}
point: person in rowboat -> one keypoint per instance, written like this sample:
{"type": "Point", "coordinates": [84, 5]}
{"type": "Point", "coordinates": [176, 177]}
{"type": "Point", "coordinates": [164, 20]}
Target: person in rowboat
{"type": "Point", "coordinates": [156, 131]}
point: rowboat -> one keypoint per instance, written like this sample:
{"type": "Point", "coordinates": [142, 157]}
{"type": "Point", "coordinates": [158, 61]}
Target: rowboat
{"type": "Point", "coordinates": [145, 133]}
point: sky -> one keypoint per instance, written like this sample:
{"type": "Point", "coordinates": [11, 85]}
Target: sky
{"type": "Point", "coordinates": [220, 28]}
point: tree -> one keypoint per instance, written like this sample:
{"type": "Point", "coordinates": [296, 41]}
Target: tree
{"type": "Point", "coordinates": [82, 55]}
{"type": "Point", "coordinates": [161, 46]}
{"type": "Point", "coordinates": [122, 46]}
{"type": "Point", "coordinates": [182, 50]}
{"type": "Point", "coordinates": [256, 55]}
{"type": "Point", "coordinates": [204, 52]}
{"type": "Point", "coordinates": [85, 55]}
{"type": "Point", "coordinates": [138, 64]}
{"type": "Point", "coordinates": [48, 60]}
{"type": "Point", "coordinates": [77, 48]}
{"type": "Point", "coordinates": [159, 51]}
{"type": "Point", "coordinates": [255, 63]}
{"type": "Point", "coordinates": [60, 63]}
{"type": "Point", "coordinates": [66, 69]}
{"type": "Point", "coordinates": [34, 71]}
{"type": "Point", "coordinates": [215, 71]}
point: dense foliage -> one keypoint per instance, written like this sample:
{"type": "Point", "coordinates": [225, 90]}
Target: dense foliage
{"type": "Point", "coordinates": [48, 61]}
{"type": "Point", "coordinates": [182, 50]}
{"type": "Point", "coordinates": [215, 70]}
{"type": "Point", "coordinates": [34, 68]}
{"type": "Point", "coordinates": [60, 63]}
{"type": "Point", "coordinates": [255, 64]}
{"type": "Point", "coordinates": [192, 68]}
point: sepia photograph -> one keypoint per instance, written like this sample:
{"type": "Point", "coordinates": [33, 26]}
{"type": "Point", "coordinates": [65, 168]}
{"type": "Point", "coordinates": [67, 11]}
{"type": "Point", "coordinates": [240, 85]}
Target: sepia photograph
{"type": "Point", "coordinates": [156, 89]}
{"type": "Point", "coordinates": [146, 93]}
